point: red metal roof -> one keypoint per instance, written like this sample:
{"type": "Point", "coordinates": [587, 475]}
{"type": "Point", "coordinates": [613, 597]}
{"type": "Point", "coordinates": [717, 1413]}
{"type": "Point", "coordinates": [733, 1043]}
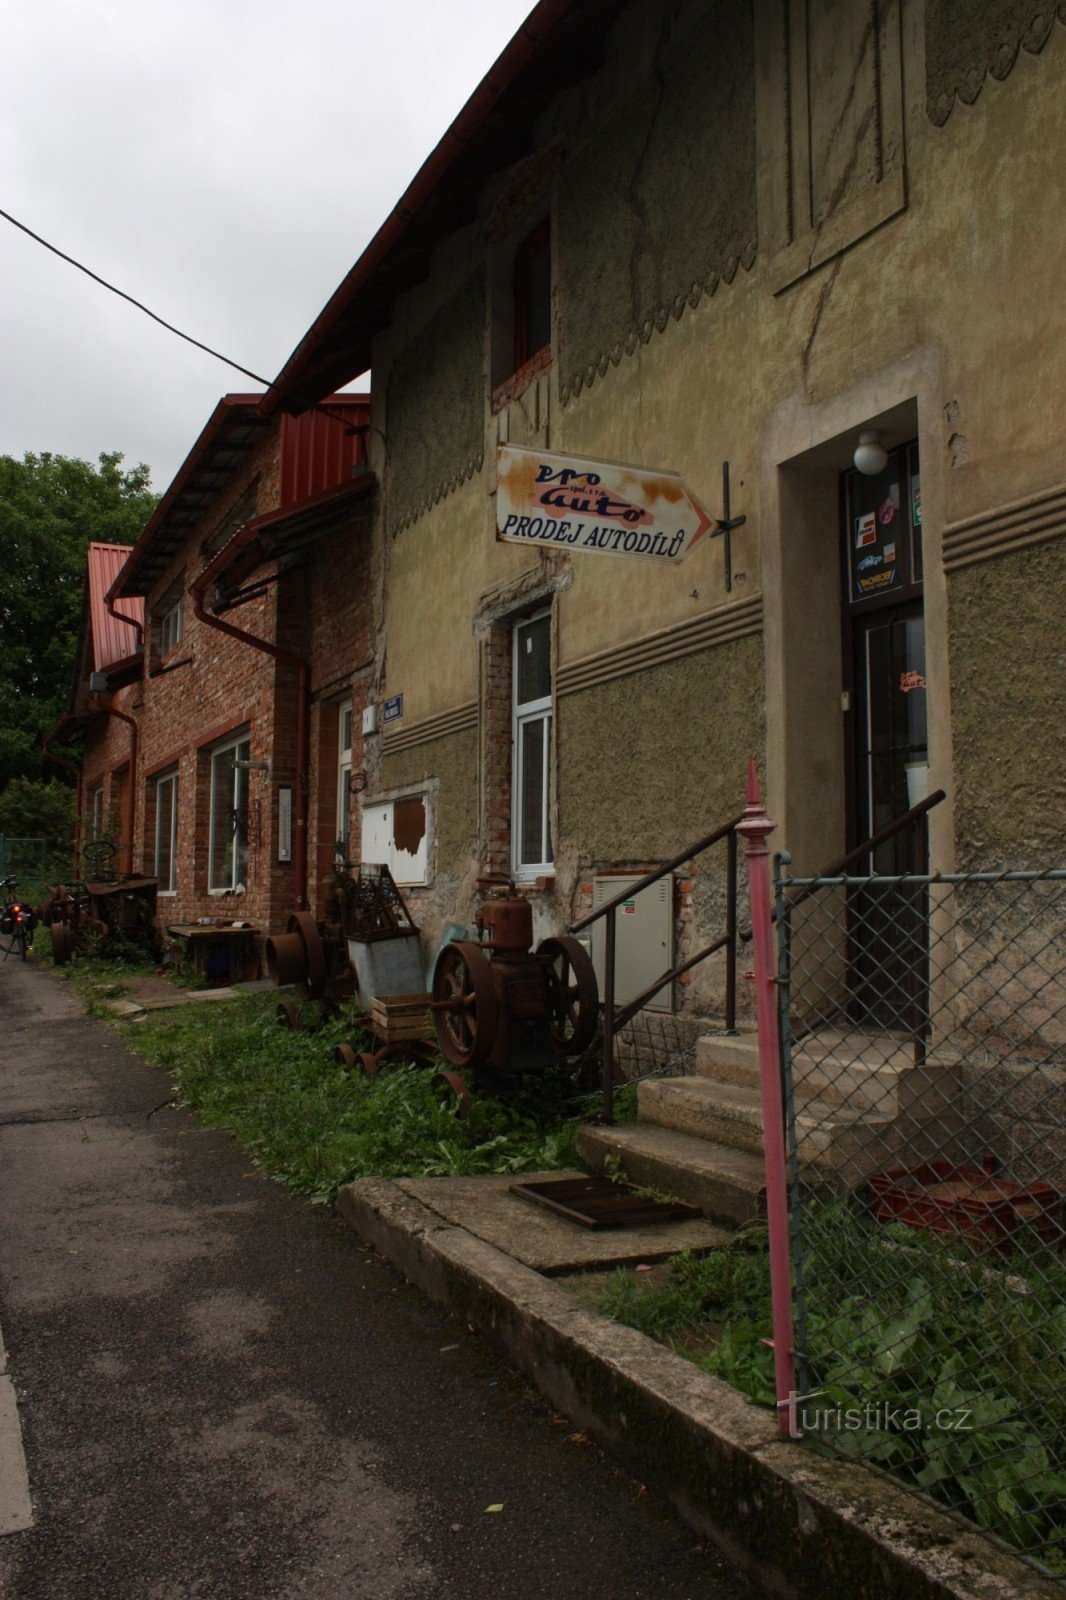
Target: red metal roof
{"type": "Point", "coordinates": [113, 641]}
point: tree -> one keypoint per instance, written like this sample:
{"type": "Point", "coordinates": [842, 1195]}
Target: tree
{"type": "Point", "coordinates": [51, 507]}
{"type": "Point", "coordinates": [30, 810]}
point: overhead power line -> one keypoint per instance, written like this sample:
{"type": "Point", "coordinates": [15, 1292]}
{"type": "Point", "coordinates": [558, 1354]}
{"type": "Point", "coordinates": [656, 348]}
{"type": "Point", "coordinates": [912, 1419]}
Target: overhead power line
{"type": "Point", "coordinates": [247, 372]}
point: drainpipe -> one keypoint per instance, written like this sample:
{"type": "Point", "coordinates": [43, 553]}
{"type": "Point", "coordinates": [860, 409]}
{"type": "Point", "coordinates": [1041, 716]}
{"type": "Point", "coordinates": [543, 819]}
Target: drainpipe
{"type": "Point", "coordinates": [97, 704]}
{"type": "Point", "coordinates": [198, 590]}
{"type": "Point", "coordinates": [120, 616]}
{"type": "Point", "coordinates": [71, 766]}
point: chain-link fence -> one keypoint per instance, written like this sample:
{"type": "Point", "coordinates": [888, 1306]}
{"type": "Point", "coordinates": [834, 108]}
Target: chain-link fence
{"type": "Point", "coordinates": [924, 1075]}
{"type": "Point", "coordinates": [27, 859]}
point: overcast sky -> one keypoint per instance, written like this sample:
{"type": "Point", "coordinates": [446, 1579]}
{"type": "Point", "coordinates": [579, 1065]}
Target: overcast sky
{"type": "Point", "coordinates": [224, 161]}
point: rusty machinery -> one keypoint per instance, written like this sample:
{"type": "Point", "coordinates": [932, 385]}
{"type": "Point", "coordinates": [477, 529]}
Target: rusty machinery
{"type": "Point", "coordinates": [502, 1008]}
{"type": "Point", "coordinates": [109, 907]}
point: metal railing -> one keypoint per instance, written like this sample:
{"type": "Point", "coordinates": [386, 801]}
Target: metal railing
{"type": "Point", "coordinates": [614, 1017]}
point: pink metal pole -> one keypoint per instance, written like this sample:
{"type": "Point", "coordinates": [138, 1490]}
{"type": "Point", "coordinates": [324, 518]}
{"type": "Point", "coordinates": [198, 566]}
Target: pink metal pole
{"type": "Point", "coordinates": [756, 827]}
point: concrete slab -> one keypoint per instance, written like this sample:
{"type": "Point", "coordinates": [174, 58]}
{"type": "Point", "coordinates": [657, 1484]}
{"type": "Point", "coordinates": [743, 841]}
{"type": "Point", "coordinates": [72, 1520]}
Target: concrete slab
{"type": "Point", "coordinates": [16, 1509]}
{"type": "Point", "coordinates": [544, 1241]}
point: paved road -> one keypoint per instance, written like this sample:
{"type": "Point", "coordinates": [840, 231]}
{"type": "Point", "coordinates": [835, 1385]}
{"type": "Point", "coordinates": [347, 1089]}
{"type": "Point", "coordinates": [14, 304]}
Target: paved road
{"type": "Point", "coordinates": [223, 1394]}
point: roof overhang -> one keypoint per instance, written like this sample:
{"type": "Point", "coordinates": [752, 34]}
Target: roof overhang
{"type": "Point", "coordinates": [559, 43]}
{"type": "Point", "coordinates": [280, 535]}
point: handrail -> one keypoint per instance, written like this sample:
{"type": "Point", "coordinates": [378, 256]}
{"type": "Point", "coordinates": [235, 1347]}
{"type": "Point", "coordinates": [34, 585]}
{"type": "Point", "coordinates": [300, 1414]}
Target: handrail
{"type": "Point", "coordinates": [653, 877]}
{"type": "Point", "coordinates": [614, 1019]}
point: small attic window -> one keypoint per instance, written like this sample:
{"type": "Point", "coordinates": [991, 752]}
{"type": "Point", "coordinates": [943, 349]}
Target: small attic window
{"type": "Point", "coordinates": [532, 295]}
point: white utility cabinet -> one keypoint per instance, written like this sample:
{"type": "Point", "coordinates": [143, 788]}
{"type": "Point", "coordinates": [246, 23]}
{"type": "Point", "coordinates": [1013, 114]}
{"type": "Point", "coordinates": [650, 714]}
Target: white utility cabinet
{"type": "Point", "coordinates": [644, 938]}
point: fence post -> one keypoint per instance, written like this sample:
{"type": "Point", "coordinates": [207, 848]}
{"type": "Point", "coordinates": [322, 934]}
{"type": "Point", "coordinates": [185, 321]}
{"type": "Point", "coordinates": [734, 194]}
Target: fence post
{"type": "Point", "coordinates": [755, 829]}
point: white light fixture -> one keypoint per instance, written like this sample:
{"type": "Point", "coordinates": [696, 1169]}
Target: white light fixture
{"type": "Point", "coordinates": [870, 456]}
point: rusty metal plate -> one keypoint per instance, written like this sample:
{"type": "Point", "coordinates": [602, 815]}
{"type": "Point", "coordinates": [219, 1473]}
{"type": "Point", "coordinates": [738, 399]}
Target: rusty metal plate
{"type": "Point", "coordinates": [599, 1203]}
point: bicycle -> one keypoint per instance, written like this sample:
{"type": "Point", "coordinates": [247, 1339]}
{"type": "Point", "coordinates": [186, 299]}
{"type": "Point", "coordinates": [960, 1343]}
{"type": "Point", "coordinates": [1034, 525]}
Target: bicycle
{"type": "Point", "coordinates": [17, 921]}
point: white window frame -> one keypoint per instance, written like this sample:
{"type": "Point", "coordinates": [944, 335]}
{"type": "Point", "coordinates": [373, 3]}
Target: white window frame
{"type": "Point", "coordinates": [172, 626]}
{"type": "Point", "coordinates": [97, 822]}
{"type": "Point", "coordinates": [236, 883]}
{"type": "Point", "coordinates": [523, 715]}
{"type": "Point", "coordinates": [167, 780]}
{"type": "Point", "coordinates": [344, 772]}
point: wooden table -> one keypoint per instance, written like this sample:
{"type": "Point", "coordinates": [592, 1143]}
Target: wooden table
{"type": "Point", "coordinates": [202, 939]}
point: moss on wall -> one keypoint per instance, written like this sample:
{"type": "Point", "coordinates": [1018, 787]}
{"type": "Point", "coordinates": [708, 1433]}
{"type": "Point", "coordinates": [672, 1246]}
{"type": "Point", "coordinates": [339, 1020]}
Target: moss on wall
{"type": "Point", "coordinates": [436, 403]}
{"type": "Point", "coordinates": [967, 40]}
{"type": "Point", "coordinates": [652, 761]}
{"type": "Point", "coordinates": [454, 761]}
{"type": "Point", "coordinates": [660, 202]}
{"type": "Point", "coordinates": [1007, 661]}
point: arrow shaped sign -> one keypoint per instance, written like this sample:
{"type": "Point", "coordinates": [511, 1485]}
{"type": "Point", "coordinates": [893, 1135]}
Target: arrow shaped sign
{"type": "Point", "coordinates": [596, 507]}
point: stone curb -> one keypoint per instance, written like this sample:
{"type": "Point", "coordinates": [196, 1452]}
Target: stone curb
{"type": "Point", "coordinates": [806, 1525]}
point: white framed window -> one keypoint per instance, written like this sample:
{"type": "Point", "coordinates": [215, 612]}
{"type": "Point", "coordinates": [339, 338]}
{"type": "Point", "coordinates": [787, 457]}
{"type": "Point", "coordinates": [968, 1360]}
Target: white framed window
{"type": "Point", "coordinates": [344, 772]}
{"type": "Point", "coordinates": [395, 834]}
{"type": "Point", "coordinates": [531, 678]}
{"type": "Point", "coordinates": [171, 626]}
{"type": "Point", "coordinates": [96, 812]}
{"type": "Point", "coordinates": [166, 831]}
{"type": "Point", "coordinates": [228, 845]}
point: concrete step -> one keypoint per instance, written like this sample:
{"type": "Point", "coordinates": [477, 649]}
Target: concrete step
{"type": "Point", "coordinates": [864, 1073]}
{"type": "Point", "coordinates": [727, 1185]}
{"type": "Point", "coordinates": [846, 1141]}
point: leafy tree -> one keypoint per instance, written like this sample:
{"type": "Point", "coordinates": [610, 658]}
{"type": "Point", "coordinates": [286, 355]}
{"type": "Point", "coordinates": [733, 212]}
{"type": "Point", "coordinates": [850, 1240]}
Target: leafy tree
{"type": "Point", "coordinates": [33, 810]}
{"type": "Point", "coordinates": [51, 507]}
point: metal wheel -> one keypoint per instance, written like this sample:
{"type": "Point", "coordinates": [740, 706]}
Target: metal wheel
{"type": "Point", "coordinates": [452, 1081]}
{"type": "Point", "coordinates": [62, 944]}
{"type": "Point", "coordinates": [99, 856]}
{"type": "Point", "coordinates": [303, 923]}
{"type": "Point", "coordinates": [573, 994]}
{"type": "Point", "coordinates": [345, 1057]}
{"type": "Point", "coordinates": [465, 1007]}
{"type": "Point", "coordinates": [288, 1016]}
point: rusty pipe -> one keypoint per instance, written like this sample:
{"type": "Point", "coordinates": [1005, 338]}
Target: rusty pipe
{"type": "Point", "coordinates": [198, 590]}
{"type": "Point", "coordinates": [131, 798]}
{"type": "Point", "coordinates": [120, 616]}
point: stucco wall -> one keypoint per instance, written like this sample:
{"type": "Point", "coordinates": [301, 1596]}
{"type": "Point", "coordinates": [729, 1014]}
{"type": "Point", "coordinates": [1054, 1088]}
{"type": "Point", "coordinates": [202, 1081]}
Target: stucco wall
{"type": "Point", "coordinates": [435, 405]}
{"type": "Point", "coordinates": [650, 762]}
{"type": "Point", "coordinates": [1007, 661]}
{"type": "Point", "coordinates": [454, 761]}
{"type": "Point", "coordinates": [660, 196]}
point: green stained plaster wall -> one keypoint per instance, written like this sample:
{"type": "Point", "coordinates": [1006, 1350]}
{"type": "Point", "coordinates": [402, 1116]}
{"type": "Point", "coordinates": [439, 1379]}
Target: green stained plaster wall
{"type": "Point", "coordinates": [454, 761]}
{"type": "Point", "coordinates": [967, 40]}
{"type": "Point", "coordinates": [661, 198]}
{"type": "Point", "coordinates": [654, 760]}
{"type": "Point", "coordinates": [1006, 659]}
{"type": "Point", "coordinates": [436, 400]}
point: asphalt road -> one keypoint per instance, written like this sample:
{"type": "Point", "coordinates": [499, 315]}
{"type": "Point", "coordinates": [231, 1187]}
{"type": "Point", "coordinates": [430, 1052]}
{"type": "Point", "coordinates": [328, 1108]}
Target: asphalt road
{"type": "Point", "coordinates": [224, 1395]}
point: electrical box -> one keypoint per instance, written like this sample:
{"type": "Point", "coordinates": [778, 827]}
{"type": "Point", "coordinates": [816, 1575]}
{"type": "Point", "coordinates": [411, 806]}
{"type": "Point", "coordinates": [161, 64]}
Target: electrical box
{"type": "Point", "coordinates": [644, 938]}
{"type": "Point", "coordinates": [370, 719]}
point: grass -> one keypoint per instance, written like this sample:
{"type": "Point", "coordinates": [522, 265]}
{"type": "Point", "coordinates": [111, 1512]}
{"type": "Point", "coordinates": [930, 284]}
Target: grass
{"type": "Point", "coordinates": [905, 1327]}
{"type": "Point", "coordinates": [312, 1124]}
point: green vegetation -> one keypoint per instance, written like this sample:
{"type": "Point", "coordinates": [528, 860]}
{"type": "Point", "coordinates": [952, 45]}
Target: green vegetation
{"type": "Point", "coordinates": [902, 1327]}
{"type": "Point", "coordinates": [312, 1124]}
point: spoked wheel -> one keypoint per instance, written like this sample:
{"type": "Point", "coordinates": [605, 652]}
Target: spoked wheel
{"type": "Point", "coordinates": [573, 994]}
{"type": "Point", "coordinates": [99, 858]}
{"type": "Point", "coordinates": [465, 1008]}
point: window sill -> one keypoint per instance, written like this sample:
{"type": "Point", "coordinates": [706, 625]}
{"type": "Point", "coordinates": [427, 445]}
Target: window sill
{"type": "Point", "coordinates": [519, 382]}
{"type": "Point", "coordinates": [166, 894]}
{"type": "Point", "coordinates": [543, 883]}
{"type": "Point", "coordinates": [168, 665]}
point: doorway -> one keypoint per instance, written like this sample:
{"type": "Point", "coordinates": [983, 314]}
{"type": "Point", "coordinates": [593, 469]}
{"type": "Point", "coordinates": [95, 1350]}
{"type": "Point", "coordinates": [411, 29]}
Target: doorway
{"type": "Point", "coordinates": [888, 754]}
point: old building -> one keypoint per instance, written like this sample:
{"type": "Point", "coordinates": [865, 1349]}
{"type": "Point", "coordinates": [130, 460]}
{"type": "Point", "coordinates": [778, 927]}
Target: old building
{"type": "Point", "coordinates": [218, 746]}
{"type": "Point", "coordinates": [678, 236]}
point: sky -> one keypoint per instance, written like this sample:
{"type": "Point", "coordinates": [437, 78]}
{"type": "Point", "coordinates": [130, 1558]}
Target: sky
{"type": "Point", "coordinates": [223, 161]}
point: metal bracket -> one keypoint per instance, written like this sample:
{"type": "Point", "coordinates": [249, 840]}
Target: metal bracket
{"type": "Point", "coordinates": [724, 525]}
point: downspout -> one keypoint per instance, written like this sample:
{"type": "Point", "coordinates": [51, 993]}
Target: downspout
{"type": "Point", "coordinates": [131, 798]}
{"type": "Point", "coordinates": [120, 616]}
{"type": "Point", "coordinates": [71, 766]}
{"type": "Point", "coordinates": [198, 589]}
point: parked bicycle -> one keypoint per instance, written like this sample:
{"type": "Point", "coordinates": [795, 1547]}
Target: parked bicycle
{"type": "Point", "coordinates": [17, 921]}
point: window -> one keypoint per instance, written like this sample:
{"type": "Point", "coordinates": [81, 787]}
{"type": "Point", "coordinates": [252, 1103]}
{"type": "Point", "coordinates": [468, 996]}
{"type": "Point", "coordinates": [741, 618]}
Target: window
{"type": "Point", "coordinates": [344, 772]}
{"type": "Point", "coordinates": [228, 848]}
{"type": "Point", "coordinates": [166, 832]}
{"type": "Point", "coordinates": [171, 626]}
{"type": "Point", "coordinates": [395, 836]}
{"type": "Point", "coordinates": [532, 701]}
{"type": "Point", "coordinates": [96, 813]}
{"type": "Point", "coordinates": [532, 295]}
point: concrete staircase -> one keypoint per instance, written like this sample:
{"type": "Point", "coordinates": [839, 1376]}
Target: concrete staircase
{"type": "Point", "coordinates": [860, 1100]}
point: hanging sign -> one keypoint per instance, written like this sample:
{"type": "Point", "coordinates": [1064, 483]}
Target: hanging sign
{"type": "Point", "coordinates": [597, 507]}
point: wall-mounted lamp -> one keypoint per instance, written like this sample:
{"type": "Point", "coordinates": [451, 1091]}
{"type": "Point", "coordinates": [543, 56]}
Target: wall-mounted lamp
{"type": "Point", "coordinates": [356, 782]}
{"type": "Point", "coordinates": [870, 456]}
